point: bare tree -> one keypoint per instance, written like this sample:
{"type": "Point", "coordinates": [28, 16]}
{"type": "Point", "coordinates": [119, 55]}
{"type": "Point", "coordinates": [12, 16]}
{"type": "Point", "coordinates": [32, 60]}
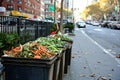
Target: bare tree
{"type": "Point", "coordinates": [61, 19]}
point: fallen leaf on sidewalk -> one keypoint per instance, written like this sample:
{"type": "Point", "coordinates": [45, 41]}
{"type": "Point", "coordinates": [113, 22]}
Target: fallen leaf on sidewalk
{"type": "Point", "coordinates": [102, 78]}
{"type": "Point", "coordinates": [109, 75]}
{"type": "Point", "coordinates": [82, 75]}
{"type": "Point", "coordinates": [84, 67]}
{"type": "Point", "coordinates": [98, 62]}
{"type": "Point", "coordinates": [112, 69]}
{"type": "Point", "coordinates": [73, 57]}
{"type": "Point", "coordinates": [92, 75]}
{"type": "Point", "coordinates": [118, 56]}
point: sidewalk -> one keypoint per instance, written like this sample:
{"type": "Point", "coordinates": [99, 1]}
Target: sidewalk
{"type": "Point", "coordinates": [90, 62]}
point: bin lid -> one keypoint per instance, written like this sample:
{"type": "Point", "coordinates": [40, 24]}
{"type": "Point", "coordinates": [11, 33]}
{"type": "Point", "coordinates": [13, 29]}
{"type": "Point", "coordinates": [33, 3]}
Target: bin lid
{"type": "Point", "coordinates": [27, 61]}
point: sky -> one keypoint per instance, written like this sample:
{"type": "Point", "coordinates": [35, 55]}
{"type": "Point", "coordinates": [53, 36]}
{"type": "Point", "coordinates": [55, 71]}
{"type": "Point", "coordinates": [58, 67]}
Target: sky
{"type": "Point", "coordinates": [81, 4]}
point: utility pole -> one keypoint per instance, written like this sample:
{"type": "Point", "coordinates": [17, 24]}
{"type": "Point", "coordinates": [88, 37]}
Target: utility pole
{"type": "Point", "coordinates": [54, 11]}
{"type": "Point", "coordinates": [67, 8]}
{"type": "Point", "coordinates": [61, 17]}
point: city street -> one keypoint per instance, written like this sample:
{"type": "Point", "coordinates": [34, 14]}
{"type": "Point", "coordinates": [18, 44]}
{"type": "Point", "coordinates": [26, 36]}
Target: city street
{"type": "Point", "coordinates": [28, 52]}
{"type": "Point", "coordinates": [94, 54]}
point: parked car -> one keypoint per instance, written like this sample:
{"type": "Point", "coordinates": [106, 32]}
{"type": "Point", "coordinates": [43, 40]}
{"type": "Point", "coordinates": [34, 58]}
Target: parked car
{"type": "Point", "coordinates": [81, 24]}
{"type": "Point", "coordinates": [116, 25]}
{"type": "Point", "coordinates": [110, 24]}
{"type": "Point", "coordinates": [105, 23]}
{"type": "Point", "coordinates": [95, 23]}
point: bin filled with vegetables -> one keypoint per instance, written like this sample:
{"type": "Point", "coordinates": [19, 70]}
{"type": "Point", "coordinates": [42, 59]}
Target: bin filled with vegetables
{"type": "Point", "coordinates": [34, 60]}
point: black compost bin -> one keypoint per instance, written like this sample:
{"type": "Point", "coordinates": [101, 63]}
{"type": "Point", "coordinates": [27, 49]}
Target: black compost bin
{"type": "Point", "coordinates": [67, 56]}
{"type": "Point", "coordinates": [68, 51]}
{"type": "Point", "coordinates": [28, 69]}
{"type": "Point", "coordinates": [61, 67]}
{"type": "Point", "coordinates": [57, 66]}
{"type": "Point", "coordinates": [1, 71]}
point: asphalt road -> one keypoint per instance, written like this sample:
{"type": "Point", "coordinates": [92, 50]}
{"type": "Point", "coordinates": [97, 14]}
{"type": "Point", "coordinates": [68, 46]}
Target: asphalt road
{"type": "Point", "coordinates": [107, 38]}
{"type": "Point", "coordinates": [94, 54]}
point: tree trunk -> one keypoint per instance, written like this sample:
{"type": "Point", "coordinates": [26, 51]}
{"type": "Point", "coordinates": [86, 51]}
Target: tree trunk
{"type": "Point", "coordinates": [61, 17]}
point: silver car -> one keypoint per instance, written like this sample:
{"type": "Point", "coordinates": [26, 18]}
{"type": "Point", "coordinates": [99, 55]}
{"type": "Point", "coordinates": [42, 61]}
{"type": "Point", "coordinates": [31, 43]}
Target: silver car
{"type": "Point", "coordinates": [81, 24]}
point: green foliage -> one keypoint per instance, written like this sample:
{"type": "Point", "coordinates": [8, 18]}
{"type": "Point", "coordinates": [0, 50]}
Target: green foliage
{"type": "Point", "coordinates": [99, 9]}
{"type": "Point", "coordinates": [69, 25]}
{"type": "Point", "coordinates": [7, 40]}
{"type": "Point", "coordinates": [53, 28]}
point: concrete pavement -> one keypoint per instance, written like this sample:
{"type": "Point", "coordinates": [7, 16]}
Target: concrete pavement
{"type": "Point", "coordinates": [90, 61]}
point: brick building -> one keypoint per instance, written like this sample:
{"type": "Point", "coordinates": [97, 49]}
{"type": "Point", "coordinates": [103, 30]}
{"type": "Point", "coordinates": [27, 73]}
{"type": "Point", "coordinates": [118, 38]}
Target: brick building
{"type": "Point", "coordinates": [30, 7]}
{"type": "Point", "coordinates": [33, 8]}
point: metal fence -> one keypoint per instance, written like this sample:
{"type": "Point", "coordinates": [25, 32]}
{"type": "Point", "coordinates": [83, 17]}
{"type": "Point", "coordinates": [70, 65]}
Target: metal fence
{"type": "Point", "coordinates": [27, 29]}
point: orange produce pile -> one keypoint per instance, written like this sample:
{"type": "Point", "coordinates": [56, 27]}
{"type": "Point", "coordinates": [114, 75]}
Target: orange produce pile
{"type": "Point", "coordinates": [34, 50]}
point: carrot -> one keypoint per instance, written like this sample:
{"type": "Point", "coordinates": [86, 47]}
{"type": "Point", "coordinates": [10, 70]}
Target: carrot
{"type": "Point", "coordinates": [36, 51]}
{"type": "Point", "coordinates": [18, 49]}
{"type": "Point", "coordinates": [14, 53]}
{"type": "Point", "coordinates": [44, 50]}
{"type": "Point", "coordinates": [48, 55]}
{"type": "Point", "coordinates": [37, 57]}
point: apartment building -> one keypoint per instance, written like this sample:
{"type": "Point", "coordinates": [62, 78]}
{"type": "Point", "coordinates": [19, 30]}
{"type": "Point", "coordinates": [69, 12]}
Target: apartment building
{"type": "Point", "coordinates": [33, 8]}
{"type": "Point", "coordinates": [49, 13]}
{"type": "Point", "coordinates": [48, 3]}
{"type": "Point", "coordinates": [30, 7]}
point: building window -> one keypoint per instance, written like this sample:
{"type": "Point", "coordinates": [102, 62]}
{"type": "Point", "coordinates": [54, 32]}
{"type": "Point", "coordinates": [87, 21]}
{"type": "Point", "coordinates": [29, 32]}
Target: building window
{"type": "Point", "coordinates": [9, 0]}
{"type": "Point", "coordinates": [47, 2]}
{"type": "Point", "coordinates": [19, 8]}
{"type": "Point", "coordinates": [19, 1]}
{"type": "Point", "coordinates": [9, 7]}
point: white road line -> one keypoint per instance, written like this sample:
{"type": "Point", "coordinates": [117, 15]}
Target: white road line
{"type": "Point", "coordinates": [105, 50]}
{"type": "Point", "coordinates": [97, 29]}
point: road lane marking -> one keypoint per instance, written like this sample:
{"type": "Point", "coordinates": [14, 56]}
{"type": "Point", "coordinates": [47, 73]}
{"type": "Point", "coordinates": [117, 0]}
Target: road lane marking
{"type": "Point", "coordinates": [97, 29]}
{"type": "Point", "coordinates": [105, 50]}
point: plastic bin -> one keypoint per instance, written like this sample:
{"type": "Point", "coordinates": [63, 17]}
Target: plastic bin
{"type": "Point", "coordinates": [56, 69]}
{"type": "Point", "coordinates": [67, 57]}
{"type": "Point", "coordinates": [28, 69]}
{"type": "Point", "coordinates": [61, 67]}
{"type": "Point", "coordinates": [1, 71]}
{"type": "Point", "coordinates": [57, 66]}
{"type": "Point", "coordinates": [68, 53]}
{"type": "Point", "coordinates": [66, 61]}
